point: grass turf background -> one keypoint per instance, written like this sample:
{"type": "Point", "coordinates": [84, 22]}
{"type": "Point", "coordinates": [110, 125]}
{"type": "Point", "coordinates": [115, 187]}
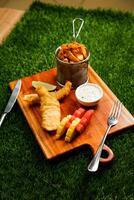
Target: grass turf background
{"type": "Point", "coordinates": [24, 171]}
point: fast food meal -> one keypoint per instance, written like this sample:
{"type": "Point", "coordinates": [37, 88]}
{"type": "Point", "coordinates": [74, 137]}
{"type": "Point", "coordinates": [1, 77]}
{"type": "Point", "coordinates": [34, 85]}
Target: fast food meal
{"type": "Point", "coordinates": [72, 52]}
{"type": "Point", "coordinates": [70, 125]}
{"type": "Point", "coordinates": [61, 93]}
{"type": "Point", "coordinates": [72, 63]}
{"type": "Point", "coordinates": [50, 109]}
{"type": "Point", "coordinates": [49, 104]}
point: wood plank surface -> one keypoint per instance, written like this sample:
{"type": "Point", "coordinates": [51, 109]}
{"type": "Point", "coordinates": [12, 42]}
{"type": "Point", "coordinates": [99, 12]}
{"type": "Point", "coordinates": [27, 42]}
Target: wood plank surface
{"type": "Point", "coordinates": [93, 134]}
{"type": "Point", "coordinates": [8, 19]}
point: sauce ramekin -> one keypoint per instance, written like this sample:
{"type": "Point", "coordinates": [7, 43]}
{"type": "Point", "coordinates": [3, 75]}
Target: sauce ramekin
{"type": "Point", "coordinates": [89, 94]}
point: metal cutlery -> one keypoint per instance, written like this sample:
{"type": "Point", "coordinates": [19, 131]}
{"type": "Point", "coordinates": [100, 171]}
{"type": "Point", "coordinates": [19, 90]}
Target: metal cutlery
{"type": "Point", "coordinates": [11, 101]}
{"type": "Point", "coordinates": [112, 121]}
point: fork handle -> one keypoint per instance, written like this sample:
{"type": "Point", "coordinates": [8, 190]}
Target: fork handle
{"type": "Point", "coordinates": [2, 118]}
{"type": "Point", "coordinates": [94, 164]}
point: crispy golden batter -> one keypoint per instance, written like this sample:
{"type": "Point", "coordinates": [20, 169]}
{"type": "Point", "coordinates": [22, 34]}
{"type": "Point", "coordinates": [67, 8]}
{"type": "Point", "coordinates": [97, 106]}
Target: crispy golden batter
{"type": "Point", "coordinates": [61, 93]}
{"type": "Point", "coordinates": [50, 109]}
{"type": "Point", "coordinates": [32, 98]}
{"type": "Point", "coordinates": [49, 104]}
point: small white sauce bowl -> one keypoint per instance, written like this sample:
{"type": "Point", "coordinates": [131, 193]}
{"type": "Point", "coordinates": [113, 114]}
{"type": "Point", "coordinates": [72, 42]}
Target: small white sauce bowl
{"type": "Point", "coordinates": [88, 94]}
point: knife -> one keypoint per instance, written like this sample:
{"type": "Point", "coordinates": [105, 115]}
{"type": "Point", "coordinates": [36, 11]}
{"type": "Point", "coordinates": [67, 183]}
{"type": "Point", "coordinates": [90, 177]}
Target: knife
{"type": "Point", "coordinates": [11, 101]}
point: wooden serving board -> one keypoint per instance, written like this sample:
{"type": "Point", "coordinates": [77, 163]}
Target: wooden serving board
{"type": "Point", "coordinates": [93, 134]}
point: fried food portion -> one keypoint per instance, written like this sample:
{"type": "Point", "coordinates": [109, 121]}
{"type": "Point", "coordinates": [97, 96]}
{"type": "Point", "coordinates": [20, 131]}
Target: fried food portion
{"type": "Point", "coordinates": [32, 98]}
{"type": "Point", "coordinates": [49, 104]}
{"type": "Point", "coordinates": [50, 109]}
{"type": "Point", "coordinates": [72, 52]}
{"type": "Point", "coordinates": [61, 93]}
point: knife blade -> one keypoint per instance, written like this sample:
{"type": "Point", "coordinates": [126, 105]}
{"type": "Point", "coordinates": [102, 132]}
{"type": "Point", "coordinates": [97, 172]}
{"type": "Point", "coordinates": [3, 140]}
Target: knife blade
{"type": "Point", "coordinates": [11, 101]}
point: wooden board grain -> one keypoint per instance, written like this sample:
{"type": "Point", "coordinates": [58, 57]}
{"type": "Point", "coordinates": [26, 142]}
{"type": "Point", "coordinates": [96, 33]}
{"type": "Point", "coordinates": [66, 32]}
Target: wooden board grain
{"type": "Point", "coordinates": [93, 134]}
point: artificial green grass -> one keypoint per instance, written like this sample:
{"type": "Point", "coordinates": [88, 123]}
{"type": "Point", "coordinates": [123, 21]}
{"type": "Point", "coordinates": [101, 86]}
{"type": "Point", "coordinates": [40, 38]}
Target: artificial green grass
{"type": "Point", "coordinates": [24, 171]}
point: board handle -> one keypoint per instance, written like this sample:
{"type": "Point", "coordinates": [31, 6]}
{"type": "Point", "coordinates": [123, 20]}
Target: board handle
{"type": "Point", "coordinates": [110, 154]}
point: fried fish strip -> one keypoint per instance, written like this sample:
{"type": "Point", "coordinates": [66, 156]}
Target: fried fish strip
{"type": "Point", "coordinates": [50, 109]}
{"type": "Point", "coordinates": [61, 93]}
{"type": "Point", "coordinates": [32, 98]}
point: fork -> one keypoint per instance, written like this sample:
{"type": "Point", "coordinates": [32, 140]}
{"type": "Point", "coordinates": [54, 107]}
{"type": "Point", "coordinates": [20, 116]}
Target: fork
{"type": "Point", "coordinates": [112, 121]}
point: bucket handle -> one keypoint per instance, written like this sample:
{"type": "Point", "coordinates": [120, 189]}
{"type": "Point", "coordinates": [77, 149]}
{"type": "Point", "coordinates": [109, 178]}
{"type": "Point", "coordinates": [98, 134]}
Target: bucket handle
{"type": "Point", "coordinates": [75, 35]}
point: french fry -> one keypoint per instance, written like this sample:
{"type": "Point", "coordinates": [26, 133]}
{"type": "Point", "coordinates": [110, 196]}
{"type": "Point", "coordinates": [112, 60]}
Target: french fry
{"type": "Point", "coordinates": [80, 57]}
{"type": "Point", "coordinates": [66, 60]}
{"type": "Point", "coordinates": [61, 54]}
{"type": "Point", "coordinates": [72, 52]}
{"type": "Point", "coordinates": [83, 51]}
{"type": "Point", "coordinates": [72, 57]}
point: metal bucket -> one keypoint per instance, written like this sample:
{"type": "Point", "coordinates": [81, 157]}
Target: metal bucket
{"type": "Point", "coordinates": [77, 73]}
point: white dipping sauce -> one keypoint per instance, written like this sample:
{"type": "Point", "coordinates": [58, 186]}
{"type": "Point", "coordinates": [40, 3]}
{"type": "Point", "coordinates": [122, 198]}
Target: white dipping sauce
{"type": "Point", "coordinates": [89, 92]}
